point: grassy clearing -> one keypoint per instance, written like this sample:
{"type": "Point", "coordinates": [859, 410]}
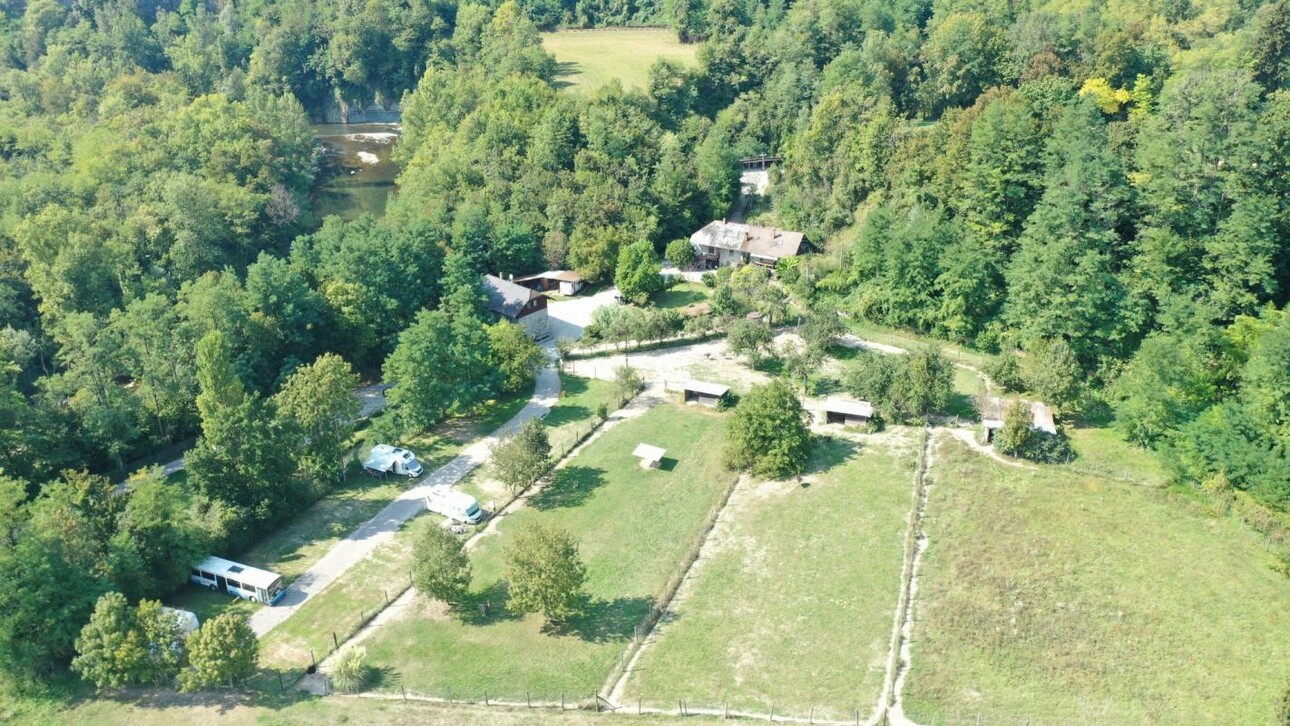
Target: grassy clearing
{"type": "Point", "coordinates": [682, 294]}
{"type": "Point", "coordinates": [907, 340]}
{"type": "Point", "coordinates": [633, 526]}
{"type": "Point", "coordinates": [1054, 598]}
{"type": "Point", "coordinates": [1103, 451]}
{"type": "Point", "coordinates": [793, 602]}
{"type": "Point", "coordinates": [588, 59]}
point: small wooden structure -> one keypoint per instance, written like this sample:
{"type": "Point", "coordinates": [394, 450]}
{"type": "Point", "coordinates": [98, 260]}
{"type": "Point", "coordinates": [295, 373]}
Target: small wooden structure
{"type": "Point", "coordinates": [847, 412]}
{"type": "Point", "coordinates": [651, 456]}
{"type": "Point", "coordinates": [565, 282]}
{"type": "Point", "coordinates": [1041, 417]}
{"type": "Point", "coordinates": [702, 392]}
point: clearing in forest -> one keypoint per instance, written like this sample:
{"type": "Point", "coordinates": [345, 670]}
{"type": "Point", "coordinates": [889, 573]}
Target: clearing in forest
{"type": "Point", "coordinates": [588, 59]}
{"type": "Point", "coordinates": [633, 529]}
{"type": "Point", "coordinates": [1050, 597]}
{"type": "Point", "coordinates": [793, 601]}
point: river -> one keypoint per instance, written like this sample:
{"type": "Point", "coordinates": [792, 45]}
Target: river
{"type": "Point", "coordinates": [357, 174]}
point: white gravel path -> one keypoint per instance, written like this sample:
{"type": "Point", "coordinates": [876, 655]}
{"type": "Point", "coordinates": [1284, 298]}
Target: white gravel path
{"type": "Point", "coordinates": [379, 529]}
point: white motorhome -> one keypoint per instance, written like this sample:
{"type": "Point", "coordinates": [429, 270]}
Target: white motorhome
{"type": "Point", "coordinates": [455, 505]}
{"type": "Point", "coordinates": [386, 459]}
{"type": "Point", "coordinates": [244, 581]}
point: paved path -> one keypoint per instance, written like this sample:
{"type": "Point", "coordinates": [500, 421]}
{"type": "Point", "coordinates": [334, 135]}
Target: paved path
{"type": "Point", "coordinates": [381, 528]}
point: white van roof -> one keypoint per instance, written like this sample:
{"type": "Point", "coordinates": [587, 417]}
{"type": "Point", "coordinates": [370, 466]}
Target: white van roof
{"type": "Point", "coordinates": [253, 576]}
{"type": "Point", "coordinates": [187, 620]}
{"type": "Point", "coordinates": [458, 499]}
{"type": "Point", "coordinates": [383, 456]}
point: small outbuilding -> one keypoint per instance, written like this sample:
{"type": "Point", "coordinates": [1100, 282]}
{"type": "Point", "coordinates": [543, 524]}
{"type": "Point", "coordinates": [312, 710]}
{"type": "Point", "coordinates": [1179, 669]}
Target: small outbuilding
{"type": "Point", "coordinates": [847, 412]}
{"type": "Point", "coordinates": [651, 456]}
{"type": "Point", "coordinates": [565, 282]}
{"type": "Point", "coordinates": [702, 392]}
{"type": "Point", "coordinates": [1041, 417]}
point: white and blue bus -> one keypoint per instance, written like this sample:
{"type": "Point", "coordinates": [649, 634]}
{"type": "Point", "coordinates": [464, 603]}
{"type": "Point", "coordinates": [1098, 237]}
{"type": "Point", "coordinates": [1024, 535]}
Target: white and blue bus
{"type": "Point", "coordinates": [243, 581]}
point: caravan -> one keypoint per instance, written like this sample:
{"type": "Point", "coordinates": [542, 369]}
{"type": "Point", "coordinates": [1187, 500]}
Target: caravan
{"type": "Point", "coordinates": [455, 505]}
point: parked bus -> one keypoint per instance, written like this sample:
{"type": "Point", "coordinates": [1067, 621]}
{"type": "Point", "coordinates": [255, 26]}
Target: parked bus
{"type": "Point", "coordinates": [243, 581]}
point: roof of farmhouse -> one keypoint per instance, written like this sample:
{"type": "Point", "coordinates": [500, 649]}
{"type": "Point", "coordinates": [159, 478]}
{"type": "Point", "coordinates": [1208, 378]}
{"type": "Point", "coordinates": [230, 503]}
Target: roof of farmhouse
{"type": "Point", "coordinates": [759, 241]}
{"type": "Point", "coordinates": [506, 297]}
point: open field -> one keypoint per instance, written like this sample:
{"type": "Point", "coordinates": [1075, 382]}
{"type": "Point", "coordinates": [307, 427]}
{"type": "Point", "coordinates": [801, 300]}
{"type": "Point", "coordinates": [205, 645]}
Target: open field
{"type": "Point", "coordinates": [588, 59]}
{"type": "Point", "coordinates": [793, 602]}
{"type": "Point", "coordinates": [633, 527]}
{"type": "Point", "coordinates": [344, 606]}
{"type": "Point", "coordinates": [1047, 597]}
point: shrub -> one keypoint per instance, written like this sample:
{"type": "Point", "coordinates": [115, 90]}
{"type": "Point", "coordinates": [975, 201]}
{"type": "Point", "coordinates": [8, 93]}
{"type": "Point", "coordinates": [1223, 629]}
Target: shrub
{"type": "Point", "coordinates": [350, 674]}
{"type": "Point", "coordinates": [680, 253]}
{"type": "Point", "coordinates": [1005, 370]}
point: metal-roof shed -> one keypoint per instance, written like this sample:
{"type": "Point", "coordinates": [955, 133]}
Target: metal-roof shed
{"type": "Point", "coordinates": [708, 394]}
{"type": "Point", "coordinates": [847, 412]}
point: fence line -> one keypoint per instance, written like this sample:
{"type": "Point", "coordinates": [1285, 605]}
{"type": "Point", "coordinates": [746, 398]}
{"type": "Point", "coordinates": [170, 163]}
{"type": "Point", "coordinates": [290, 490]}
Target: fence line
{"type": "Point", "coordinates": [663, 601]}
{"type": "Point", "coordinates": [592, 702]}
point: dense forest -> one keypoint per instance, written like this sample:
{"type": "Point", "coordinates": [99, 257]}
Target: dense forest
{"type": "Point", "coordinates": [1108, 179]}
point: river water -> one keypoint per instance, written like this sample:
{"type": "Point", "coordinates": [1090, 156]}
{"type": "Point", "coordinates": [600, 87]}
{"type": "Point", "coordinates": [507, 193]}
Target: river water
{"type": "Point", "coordinates": [357, 174]}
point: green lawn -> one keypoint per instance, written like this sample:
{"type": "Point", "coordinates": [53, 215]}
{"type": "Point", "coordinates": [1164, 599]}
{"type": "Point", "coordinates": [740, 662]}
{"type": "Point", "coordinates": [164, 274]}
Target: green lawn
{"type": "Point", "coordinates": [795, 602]}
{"type": "Point", "coordinates": [633, 527]}
{"type": "Point", "coordinates": [588, 59]}
{"type": "Point", "coordinates": [907, 340]}
{"type": "Point", "coordinates": [1047, 597]}
{"type": "Point", "coordinates": [570, 419]}
{"type": "Point", "coordinates": [344, 605]}
{"type": "Point", "coordinates": [681, 295]}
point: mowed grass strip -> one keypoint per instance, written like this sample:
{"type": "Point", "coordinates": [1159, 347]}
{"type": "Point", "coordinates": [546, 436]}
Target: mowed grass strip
{"type": "Point", "coordinates": [588, 59]}
{"type": "Point", "coordinates": [794, 601]}
{"type": "Point", "coordinates": [1050, 598]}
{"type": "Point", "coordinates": [633, 527]}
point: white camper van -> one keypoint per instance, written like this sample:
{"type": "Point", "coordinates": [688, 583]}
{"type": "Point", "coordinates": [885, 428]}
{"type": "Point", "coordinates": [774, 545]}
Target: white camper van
{"type": "Point", "coordinates": [386, 459]}
{"type": "Point", "coordinates": [455, 505]}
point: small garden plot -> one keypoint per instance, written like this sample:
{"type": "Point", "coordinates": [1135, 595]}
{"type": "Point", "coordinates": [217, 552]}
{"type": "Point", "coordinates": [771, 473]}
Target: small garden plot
{"type": "Point", "coordinates": [633, 528]}
{"type": "Point", "coordinates": [794, 599]}
{"type": "Point", "coordinates": [1047, 597]}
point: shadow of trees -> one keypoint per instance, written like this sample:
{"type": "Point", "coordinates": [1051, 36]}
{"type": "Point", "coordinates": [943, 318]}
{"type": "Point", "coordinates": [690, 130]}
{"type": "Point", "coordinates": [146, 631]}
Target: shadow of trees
{"type": "Point", "coordinates": [482, 607]}
{"type": "Point", "coordinates": [604, 621]}
{"type": "Point", "coordinates": [570, 487]}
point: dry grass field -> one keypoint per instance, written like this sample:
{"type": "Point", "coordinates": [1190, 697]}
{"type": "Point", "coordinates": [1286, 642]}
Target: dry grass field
{"type": "Point", "coordinates": [588, 59]}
